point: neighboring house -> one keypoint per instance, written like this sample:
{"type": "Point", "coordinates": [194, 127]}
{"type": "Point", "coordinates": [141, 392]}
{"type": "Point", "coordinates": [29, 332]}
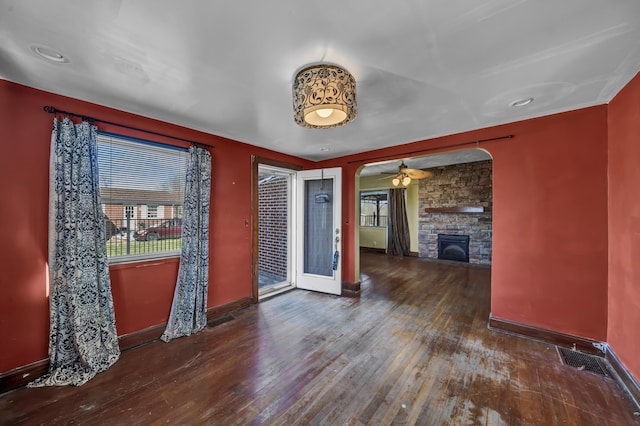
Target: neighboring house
{"type": "Point", "coordinates": [142, 208]}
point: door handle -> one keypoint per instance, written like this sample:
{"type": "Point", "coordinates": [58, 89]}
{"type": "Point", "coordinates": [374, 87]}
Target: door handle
{"type": "Point", "coordinates": [336, 253]}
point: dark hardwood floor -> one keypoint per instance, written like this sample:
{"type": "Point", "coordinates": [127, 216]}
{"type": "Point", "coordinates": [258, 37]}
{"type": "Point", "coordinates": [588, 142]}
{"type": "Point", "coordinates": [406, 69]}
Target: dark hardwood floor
{"type": "Point", "coordinates": [413, 349]}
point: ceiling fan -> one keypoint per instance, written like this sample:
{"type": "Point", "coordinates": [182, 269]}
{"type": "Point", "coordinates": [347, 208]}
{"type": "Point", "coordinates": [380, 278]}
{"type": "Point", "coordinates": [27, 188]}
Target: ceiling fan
{"type": "Point", "coordinates": [405, 175]}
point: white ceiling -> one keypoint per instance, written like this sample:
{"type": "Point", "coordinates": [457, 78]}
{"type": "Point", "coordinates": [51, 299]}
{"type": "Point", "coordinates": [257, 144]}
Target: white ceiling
{"type": "Point", "coordinates": [424, 68]}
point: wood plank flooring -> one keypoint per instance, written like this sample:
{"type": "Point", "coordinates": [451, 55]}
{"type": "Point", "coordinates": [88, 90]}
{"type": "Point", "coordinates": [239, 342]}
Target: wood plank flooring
{"type": "Point", "coordinates": [414, 348]}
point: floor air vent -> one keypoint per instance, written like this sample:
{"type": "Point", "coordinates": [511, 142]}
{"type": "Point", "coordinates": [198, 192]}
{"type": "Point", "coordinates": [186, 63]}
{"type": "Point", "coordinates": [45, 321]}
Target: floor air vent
{"type": "Point", "coordinates": [583, 361]}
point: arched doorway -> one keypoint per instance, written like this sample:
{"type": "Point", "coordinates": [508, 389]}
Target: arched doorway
{"type": "Point", "coordinates": [456, 200]}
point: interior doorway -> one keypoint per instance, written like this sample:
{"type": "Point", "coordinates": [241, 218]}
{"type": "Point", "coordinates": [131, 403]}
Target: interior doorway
{"type": "Point", "coordinates": [456, 197]}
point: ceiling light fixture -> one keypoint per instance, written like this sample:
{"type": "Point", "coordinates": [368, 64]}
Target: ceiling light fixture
{"type": "Point", "coordinates": [50, 54]}
{"type": "Point", "coordinates": [405, 175]}
{"type": "Point", "coordinates": [401, 178]}
{"type": "Point", "coordinates": [521, 102]}
{"type": "Point", "coordinates": [324, 96]}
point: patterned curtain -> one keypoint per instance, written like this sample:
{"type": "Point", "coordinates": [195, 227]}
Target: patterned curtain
{"type": "Point", "coordinates": [82, 339]}
{"type": "Point", "coordinates": [398, 226]}
{"type": "Point", "coordinates": [189, 308]}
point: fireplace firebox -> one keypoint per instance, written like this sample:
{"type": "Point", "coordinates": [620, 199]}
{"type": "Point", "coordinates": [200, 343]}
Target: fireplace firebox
{"type": "Point", "coordinates": [453, 247]}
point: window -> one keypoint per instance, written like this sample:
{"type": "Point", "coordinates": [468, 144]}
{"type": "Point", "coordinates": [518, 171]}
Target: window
{"type": "Point", "coordinates": [373, 208]}
{"type": "Point", "coordinates": [128, 212]}
{"type": "Point", "coordinates": [137, 180]}
{"type": "Point", "coordinates": [152, 212]}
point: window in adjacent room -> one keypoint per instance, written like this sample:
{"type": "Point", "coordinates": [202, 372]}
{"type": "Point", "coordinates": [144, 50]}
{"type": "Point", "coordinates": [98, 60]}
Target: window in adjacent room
{"type": "Point", "coordinates": [142, 192]}
{"type": "Point", "coordinates": [373, 208]}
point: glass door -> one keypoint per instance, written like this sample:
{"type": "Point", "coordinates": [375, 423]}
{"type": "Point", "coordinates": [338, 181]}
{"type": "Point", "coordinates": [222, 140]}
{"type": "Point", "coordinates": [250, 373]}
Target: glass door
{"type": "Point", "coordinates": [319, 236]}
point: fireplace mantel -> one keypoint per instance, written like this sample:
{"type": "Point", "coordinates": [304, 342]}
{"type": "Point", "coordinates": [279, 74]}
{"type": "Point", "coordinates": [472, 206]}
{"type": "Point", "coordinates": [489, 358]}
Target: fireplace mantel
{"type": "Point", "coordinates": [471, 209]}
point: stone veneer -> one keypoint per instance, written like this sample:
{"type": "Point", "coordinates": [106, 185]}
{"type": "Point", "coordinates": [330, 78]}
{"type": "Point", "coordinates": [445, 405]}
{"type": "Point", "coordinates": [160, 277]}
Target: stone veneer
{"type": "Point", "coordinates": [459, 185]}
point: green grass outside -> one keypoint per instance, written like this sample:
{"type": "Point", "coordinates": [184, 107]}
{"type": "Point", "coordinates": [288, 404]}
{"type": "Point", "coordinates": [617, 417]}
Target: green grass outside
{"type": "Point", "coordinates": [116, 247]}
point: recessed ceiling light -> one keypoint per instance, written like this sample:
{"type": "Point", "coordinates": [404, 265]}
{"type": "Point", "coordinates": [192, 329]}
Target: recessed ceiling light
{"type": "Point", "coordinates": [521, 102]}
{"type": "Point", "coordinates": [50, 54]}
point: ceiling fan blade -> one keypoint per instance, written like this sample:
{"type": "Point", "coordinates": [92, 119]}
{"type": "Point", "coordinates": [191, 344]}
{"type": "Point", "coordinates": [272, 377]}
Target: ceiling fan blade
{"type": "Point", "coordinates": [417, 173]}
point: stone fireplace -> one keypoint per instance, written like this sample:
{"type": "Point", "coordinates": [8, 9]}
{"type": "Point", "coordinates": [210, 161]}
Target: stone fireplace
{"type": "Point", "coordinates": [457, 201]}
{"type": "Point", "coordinates": [453, 247]}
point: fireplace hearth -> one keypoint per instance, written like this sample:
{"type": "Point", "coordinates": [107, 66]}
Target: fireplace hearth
{"type": "Point", "coordinates": [453, 247]}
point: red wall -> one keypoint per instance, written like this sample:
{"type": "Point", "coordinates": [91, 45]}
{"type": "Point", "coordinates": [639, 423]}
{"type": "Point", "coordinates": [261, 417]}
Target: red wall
{"type": "Point", "coordinates": [549, 221]}
{"type": "Point", "coordinates": [143, 291]}
{"type": "Point", "coordinates": [550, 214]}
{"type": "Point", "coordinates": [550, 225]}
{"type": "Point", "coordinates": [624, 226]}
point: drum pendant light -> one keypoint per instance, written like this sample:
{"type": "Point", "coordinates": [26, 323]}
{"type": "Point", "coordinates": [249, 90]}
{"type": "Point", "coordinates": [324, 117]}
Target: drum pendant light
{"type": "Point", "coordinates": [324, 96]}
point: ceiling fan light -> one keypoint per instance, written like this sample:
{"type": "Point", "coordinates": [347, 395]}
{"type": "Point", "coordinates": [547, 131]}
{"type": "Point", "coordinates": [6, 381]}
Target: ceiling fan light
{"type": "Point", "coordinates": [324, 96]}
{"type": "Point", "coordinates": [395, 181]}
{"type": "Point", "coordinates": [406, 180]}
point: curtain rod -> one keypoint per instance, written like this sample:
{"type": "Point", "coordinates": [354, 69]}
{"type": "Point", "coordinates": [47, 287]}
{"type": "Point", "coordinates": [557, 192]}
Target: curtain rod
{"type": "Point", "coordinates": [53, 110]}
{"type": "Point", "coordinates": [476, 142]}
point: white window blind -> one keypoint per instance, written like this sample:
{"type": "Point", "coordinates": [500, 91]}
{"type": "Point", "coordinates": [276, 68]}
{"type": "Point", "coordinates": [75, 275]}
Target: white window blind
{"type": "Point", "coordinates": [143, 176]}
